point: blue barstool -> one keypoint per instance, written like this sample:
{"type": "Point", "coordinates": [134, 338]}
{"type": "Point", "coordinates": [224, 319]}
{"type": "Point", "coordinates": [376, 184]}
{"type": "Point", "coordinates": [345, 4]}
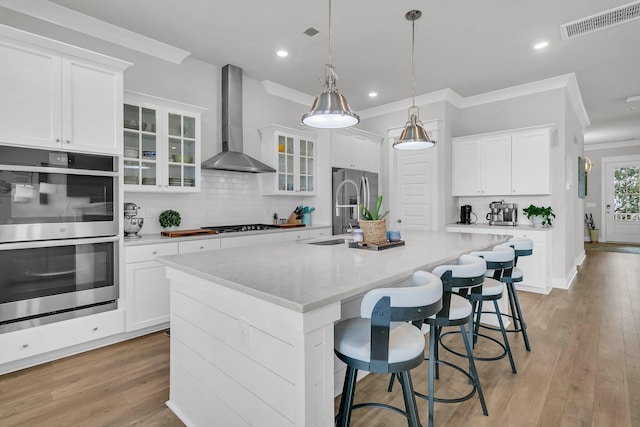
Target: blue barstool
{"type": "Point", "coordinates": [522, 247]}
{"type": "Point", "coordinates": [383, 341]}
{"type": "Point", "coordinates": [500, 262]}
{"type": "Point", "coordinates": [466, 276]}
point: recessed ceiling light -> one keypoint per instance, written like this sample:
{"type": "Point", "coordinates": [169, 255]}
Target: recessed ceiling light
{"type": "Point", "coordinates": [373, 94]}
{"type": "Point", "coordinates": [282, 53]}
{"type": "Point", "coordinates": [633, 98]}
{"type": "Point", "coordinates": [540, 45]}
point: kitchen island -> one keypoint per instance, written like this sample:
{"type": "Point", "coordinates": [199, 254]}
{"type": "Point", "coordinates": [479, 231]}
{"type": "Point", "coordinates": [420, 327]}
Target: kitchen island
{"type": "Point", "coordinates": [252, 328]}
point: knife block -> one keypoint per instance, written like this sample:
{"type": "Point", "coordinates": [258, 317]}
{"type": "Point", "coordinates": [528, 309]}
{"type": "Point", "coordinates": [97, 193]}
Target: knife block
{"type": "Point", "coordinates": [292, 219]}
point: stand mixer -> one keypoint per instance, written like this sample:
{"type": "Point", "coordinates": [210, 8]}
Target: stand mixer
{"type": "Point", "coordinates": [132, 225]}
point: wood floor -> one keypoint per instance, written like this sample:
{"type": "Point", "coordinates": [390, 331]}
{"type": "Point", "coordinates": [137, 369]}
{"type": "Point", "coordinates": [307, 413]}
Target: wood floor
{"type": "Point", "coordinates": [583, 370]}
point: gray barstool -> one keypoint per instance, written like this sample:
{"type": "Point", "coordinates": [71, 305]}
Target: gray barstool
{"type": "Point", "coordinates": [465, 276]}
{"type": "Point", "coordinates": [383, 341]}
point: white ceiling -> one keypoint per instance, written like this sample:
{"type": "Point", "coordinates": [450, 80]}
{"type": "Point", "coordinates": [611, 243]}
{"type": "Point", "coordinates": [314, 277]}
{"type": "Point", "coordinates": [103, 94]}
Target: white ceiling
{"type": "Point", "coordinates": [472, 47]}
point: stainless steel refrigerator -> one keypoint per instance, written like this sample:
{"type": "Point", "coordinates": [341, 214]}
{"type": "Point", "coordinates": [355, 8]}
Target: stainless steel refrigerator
{"type": "Point", "coordinates": [367, 183]}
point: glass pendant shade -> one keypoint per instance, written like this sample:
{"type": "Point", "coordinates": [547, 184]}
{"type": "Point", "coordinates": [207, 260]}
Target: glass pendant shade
{"type": "Point", "coordinates": [330, 110]}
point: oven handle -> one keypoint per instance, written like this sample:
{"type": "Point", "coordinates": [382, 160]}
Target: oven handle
{"type": "Point", "coordinates": [52, 274]}
{"type": "Point", "coordinates": [55, 243]}
{"type": "Point", "coordinates": [40, 169]}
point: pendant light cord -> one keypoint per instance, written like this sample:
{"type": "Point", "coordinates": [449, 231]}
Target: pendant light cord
{"type": "Point", "coordinates": [330, 36]}
{"type": "Point", "coordinates": [413, 62]}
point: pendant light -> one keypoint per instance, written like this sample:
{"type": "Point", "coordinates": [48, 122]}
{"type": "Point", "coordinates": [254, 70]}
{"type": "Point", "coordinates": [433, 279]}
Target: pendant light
{"type": "Point", "coordinates": [330, 109]}
{"type": "Point", "coordinates": [413, 136]}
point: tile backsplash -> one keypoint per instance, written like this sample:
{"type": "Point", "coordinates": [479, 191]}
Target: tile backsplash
{"type": "Point", "coordinates": [225, 198]}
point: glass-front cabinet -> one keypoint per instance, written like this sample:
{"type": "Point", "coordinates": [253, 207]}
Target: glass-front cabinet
{"type": "Point", "coordinates": [292, 153]}
{"type": "Point", "coordinates": [161, 145]}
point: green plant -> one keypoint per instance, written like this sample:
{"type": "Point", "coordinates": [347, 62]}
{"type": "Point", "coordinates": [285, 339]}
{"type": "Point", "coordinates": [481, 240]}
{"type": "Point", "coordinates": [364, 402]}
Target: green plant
{"type": "Point", "coordinates": [546, 213]}
{"type": "Point", "coordinates": [368, 216]}
{"type": "Point", "coordinates": [169, 218]}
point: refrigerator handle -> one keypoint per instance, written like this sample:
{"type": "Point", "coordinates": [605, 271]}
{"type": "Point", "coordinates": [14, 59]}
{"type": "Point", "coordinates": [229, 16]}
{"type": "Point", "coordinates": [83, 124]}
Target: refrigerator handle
{"type": "Point", "coordinates": [363, 191]}
{"type": "Point", "coordinates": [368, 189]}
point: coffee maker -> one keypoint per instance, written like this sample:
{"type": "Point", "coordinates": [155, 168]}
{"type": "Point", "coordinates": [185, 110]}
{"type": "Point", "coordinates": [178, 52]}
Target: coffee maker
{"type": "Point", "coordinates": [465, 214]}
{"type": "Point", "coordinates": [132, 225]}
{"type": "Point", "coordinates": [502, 213]}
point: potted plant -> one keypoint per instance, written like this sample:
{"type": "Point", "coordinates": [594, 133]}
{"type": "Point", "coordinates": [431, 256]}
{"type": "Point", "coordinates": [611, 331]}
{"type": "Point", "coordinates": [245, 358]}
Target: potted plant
{"type": "Point", "coordinates": [373, 225]}
{"type": "Point", "coordinates": [539, 215]}
{"type": "Point", "coordinates": [169, 218]}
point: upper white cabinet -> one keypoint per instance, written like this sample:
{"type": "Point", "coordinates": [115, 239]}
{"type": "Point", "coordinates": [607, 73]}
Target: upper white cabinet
{"type": "Point", "coordinates": [514, 162]}
{"type": "Point", "coordinates": [69, 99]}
{"type": "Point", "coordinates": [292, 153]}
{"type": "Point", "coordinates": [481, 166]}
{"type": "Point", "coordinates": [161, 145]}
{"type": "Point", "coordinates": [531, 161]}
{"type": "Point", "coordinates": [354, 150]}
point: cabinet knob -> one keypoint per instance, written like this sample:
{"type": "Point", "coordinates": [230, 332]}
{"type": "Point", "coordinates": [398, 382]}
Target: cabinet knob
{"type": "Point", "coordinates": [154, 252]}
{"type": "Point", "coordinates": [68, 141]}
{"type": "Point", "coordinates": [25, 345]}
{"type": "Point", "coordinates": [201, 247]}
{"type": "Point", "coordinates": [57, 139]}
{"type": "Point", "coordinates": [95, 328]}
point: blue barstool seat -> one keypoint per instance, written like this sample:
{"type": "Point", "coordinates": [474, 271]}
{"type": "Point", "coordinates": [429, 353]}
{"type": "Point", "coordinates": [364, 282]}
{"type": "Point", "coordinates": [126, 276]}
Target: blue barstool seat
{"type": "Point", "coordinates": [382, 340]}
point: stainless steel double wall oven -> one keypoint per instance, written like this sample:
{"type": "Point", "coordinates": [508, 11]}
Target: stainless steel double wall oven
{"type": "Point", "coordinates": [58, 236]}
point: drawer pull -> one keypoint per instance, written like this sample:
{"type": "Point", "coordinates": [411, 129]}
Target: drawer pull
{"type": "Point", "coordinates": [154, 252]}
{"type": "Point", "coordinates": [201, 247]}
{"type": "Point", "coordinates": [95, 328]}
{"type": "Point", "coordinates": [25, 345]}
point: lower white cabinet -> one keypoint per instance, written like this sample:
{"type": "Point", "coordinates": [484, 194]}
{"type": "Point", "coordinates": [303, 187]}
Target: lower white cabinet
{"type": "Point", "coordinates": [55, 336]}
{"type": "Point", "coordinates": [252, 239]}
{"type": "Point", "coordinates": [536, 267]}
{"type": "Point", "coordinates": [147, 288]}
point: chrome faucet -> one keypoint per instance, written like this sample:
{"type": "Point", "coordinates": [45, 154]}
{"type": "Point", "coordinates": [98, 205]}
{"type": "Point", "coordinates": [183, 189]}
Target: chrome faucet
{"type": "Point", "coordinates": [356, 206]}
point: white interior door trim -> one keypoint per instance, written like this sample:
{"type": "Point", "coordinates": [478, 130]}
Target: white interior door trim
{"type": "Point", "coordinates": [603, 187]}
{"type": "Point", "coordinates": [431, 127]}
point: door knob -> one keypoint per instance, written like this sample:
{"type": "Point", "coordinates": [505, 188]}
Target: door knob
{"type": "Point", "coordinates": [399, 220]}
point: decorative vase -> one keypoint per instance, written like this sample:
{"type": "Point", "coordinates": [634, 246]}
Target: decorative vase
{"type": "Point", "coordinates": [536, 220]}
{"type": "Point", "coordinates": [375, 232]}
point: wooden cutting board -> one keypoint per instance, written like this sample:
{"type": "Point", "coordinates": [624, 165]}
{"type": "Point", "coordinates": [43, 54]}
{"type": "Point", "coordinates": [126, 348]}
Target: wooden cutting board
{"type": "Point", "coordinates": [184, 233]}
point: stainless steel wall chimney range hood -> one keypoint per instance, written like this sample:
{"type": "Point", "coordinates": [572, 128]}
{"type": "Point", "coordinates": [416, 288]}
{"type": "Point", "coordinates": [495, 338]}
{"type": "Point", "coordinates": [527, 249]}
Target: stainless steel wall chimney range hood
{"type": "Point", "coordinates": [232, 158]}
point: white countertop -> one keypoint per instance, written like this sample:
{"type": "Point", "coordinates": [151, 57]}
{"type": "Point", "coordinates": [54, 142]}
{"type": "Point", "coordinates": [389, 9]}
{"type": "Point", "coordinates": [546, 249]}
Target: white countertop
{"type": "Point", "coordinates": [303, 277]}
{"type": "Point", "coordinates": [500, 227]}
{"type": "Point", "coordinates": [148, 239]}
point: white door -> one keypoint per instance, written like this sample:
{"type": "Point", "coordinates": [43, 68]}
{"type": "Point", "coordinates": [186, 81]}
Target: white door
{"type": "Point", "coordinates": [415, 174]}
{"type": "Point", "coordinates": [621, 184]}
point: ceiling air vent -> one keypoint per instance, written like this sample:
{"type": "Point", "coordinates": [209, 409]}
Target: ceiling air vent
{"type": "Point", "coordinates": [311, 31]}
{"type": "Point", "coordinates": [599, 21]}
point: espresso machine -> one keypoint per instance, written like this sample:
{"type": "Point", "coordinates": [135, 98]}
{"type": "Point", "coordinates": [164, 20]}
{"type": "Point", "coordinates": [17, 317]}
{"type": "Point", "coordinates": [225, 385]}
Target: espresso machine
{"type": "Point", "coordinates": [132, 224]}
{"type": "Point", "coordinates": [502, 213]}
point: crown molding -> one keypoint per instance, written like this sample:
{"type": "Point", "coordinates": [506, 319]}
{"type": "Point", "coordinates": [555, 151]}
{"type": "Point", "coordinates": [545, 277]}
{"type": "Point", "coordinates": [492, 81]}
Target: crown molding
{"type": "Point", "coordinates": [610, 145]}
{"type": "Point", "coordinates": [285, 92]}
{"type": "Point", "coordinates": [93, 27]}
{"type": "Point", "coordinates": [568, 82]}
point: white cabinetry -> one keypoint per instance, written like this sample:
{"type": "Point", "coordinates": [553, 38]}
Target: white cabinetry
{"type": "Point", "coordinates": [531, 161]}
{"type": "Point", "coordinates": [292, 153]}
{"type": "Point", "coordinates": [353, 150]}
{"type": "Point", "coordinates": [69, 99]}
{"type": "Point", "coordinates": [516, 162]}
{"type": "Point", "coordinates": [161, 144]}
{"type": "Point", "coordinates": [147, 288]}
{"type": "Point", "coordinates": [55, 336]}
{"type": "Point", "coordinates": [536, 267]}
{"type": "Point", "coordinates": [482, 166]}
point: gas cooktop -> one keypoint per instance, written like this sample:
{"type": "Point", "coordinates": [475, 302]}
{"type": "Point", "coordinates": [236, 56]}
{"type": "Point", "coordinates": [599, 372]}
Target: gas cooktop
{"type": "Point", "coordinates": [242, 227]}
